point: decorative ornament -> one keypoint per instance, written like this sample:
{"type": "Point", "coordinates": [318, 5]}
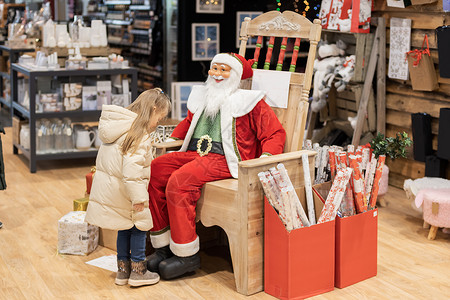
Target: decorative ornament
{"type": "Point", "coordinates": [278, 4]}
{"type": "Point", "coordinates": [200, 142]}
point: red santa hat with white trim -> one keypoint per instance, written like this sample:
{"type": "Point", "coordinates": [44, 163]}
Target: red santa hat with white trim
{"type": "Point", "coordinates": [236, 62]}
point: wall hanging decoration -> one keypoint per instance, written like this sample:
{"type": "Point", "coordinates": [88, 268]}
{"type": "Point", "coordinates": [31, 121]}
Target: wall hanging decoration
{"type": "Point", "coordinates": [210, 6]}
{"type": "Point", "coordinates": [240, 16]}
{"type": "Point", "coordinates": [205, 41]}
{"type": "Point", "coordinates": [443, 39]}
{"type": "Point", "coordinates": [421, 68]}
{"type": "Point", "coordinates": [400, 43]}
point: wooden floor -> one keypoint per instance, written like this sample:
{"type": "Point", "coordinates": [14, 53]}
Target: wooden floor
{"type": "Point", "coordinates": [409, 265]}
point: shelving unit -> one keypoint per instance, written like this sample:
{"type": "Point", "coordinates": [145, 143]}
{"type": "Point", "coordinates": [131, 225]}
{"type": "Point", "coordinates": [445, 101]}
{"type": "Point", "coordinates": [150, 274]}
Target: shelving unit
{"type": "Point", "coordinates": [345, 104]}
{"type": "Point", "coordinates": [170, 43]}
{"type": "Point", "coordinates": [130, 31]}
{"type": "Point", "coordinates": [13, 54]}
{"type": "Point", "coordinates": [32, 115]}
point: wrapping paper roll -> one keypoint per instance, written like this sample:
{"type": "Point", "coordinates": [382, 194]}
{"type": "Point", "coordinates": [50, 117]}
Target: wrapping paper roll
{"type": "Point", "coordinates": [308, 190]}
{"type": "Point", "coordinates": [370, 174]}
{"type": "Point", "coordinates": [332, 162]}
{"type": "Point", "coordinates": [365, 158]}
{"type": "Point", "coordinates": [296, 206]}
{"type": "Point", "coordinates": [282, 185]}
{"type": "Point", "coordinates": [322, 174]}
{"type": "Point", "coordinates": [376, 182]}
{"type": "Point", "coordinates": [358, 185]}
{"type": "Point", "coordinates": [335, 196]}
{"type": "Point", "coordinates": [308, 145]}
{"type": "Point", "coordinates": [350, 149]}
{"type": "Point", "coordinates": [347, 207]}
{"type": "Point", "coordinates": [277, 195]}
{"type": "Point", "coordinates": [267, 191]}
{"type": "Point", "coordinates": [317, 148]}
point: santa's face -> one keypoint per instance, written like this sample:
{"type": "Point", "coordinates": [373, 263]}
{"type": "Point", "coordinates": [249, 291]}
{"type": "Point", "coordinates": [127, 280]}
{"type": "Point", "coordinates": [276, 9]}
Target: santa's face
{"type": "Point", "coordinates": [219, 72]}
{"type": "Point", "coordinates": [221, 83]}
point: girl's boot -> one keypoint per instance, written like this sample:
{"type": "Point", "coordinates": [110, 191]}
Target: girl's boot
{"type": "Point", "coordinates": [123, 272]}
{"type": "Point", "coordinates": [140, 275]}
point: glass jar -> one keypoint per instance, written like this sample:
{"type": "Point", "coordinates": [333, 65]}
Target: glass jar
{"type": "Point", "coordinates": [57, 129]}
{"type": "Point", "coordinates": [67, 134]}
{"type": "Point", "coordinates": [24, 136]}
{"type": "Point", "coordinates": [38, 135]}
{"type": "Point", "coordinates": [46, 137]}
{"type": "Point", "coordinates": [74, 28]}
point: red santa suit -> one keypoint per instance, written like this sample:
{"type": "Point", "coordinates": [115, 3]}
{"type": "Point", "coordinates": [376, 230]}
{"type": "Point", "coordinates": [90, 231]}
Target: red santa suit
{"type": "Point", "coordinates": [248, 128]}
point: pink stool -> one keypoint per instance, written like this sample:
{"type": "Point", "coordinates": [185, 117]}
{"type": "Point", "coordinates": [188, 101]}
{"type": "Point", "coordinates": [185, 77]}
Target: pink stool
{"type": "Point", "coordinates": [436, 208]}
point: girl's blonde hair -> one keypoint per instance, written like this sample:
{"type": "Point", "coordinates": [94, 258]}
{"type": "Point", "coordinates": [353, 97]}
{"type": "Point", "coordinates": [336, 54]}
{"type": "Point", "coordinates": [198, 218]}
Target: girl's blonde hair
{"type": "Point", "coordinates": [146, 105]}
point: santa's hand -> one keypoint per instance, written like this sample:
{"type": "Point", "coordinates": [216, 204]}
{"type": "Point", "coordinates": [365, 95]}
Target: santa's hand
{"type": "Point", "coordinates": [170, 140]}
{"type": "Point", "coordinates": [264, 155]}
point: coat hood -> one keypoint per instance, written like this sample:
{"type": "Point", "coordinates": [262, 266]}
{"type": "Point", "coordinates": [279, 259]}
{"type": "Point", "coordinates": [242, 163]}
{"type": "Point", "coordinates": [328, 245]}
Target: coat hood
{"type": "Point", "coordinates": [115, 121]}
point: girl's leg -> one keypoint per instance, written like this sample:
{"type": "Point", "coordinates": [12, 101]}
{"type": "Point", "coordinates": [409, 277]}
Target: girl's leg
{"type": "Point", "coordinates": [123, 244]}
{"type": "Point", "coordinates": [123, 257]}
{"type": "Point", "coordinates": [137, 244]}
{"type": "Point", "coordinates": [139, 273]}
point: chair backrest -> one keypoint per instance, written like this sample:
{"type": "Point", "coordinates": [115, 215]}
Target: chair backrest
{"type": "Point", "coordinates": [287, 28]}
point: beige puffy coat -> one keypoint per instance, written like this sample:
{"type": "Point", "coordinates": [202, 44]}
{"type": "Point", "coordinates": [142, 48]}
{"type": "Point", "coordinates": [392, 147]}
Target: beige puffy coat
{"type": "Point", "coordinates": [120, 180]}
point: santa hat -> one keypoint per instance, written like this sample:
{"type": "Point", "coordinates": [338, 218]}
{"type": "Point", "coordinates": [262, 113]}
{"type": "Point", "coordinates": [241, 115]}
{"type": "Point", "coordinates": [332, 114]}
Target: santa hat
{"type": "Point", "coordinates": [236, 62]}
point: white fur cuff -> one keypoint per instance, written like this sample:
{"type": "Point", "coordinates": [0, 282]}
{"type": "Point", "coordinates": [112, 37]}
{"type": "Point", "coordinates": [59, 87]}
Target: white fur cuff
{"type": "Point", "coordinates": [184, 250]}
{"type": "Point", "coordinates": [160, 240]}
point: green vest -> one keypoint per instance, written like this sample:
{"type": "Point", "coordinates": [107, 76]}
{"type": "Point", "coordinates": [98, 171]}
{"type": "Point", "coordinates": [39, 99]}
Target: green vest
{"type": "Point", "coordinates": [206, 126]}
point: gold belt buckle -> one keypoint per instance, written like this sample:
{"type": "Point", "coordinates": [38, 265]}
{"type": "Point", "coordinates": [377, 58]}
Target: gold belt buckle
{"type": "Point", "coordinates": [200, 142]}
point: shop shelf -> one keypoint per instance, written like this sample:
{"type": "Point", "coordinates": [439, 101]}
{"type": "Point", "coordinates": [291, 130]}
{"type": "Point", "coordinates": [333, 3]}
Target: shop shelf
{"type": "Point", "coordinates": [32, 115]}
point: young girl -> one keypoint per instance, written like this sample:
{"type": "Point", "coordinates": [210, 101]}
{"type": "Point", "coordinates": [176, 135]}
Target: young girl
{"type": "Point", "coordinates": [119, 196]}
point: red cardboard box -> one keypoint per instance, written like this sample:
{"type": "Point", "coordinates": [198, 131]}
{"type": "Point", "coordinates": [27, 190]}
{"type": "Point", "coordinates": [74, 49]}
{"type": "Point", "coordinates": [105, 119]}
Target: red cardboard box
{"type": "Point", "coordinates": [300, 263]}
{"type": "Point", "coordinates": [356, 248]}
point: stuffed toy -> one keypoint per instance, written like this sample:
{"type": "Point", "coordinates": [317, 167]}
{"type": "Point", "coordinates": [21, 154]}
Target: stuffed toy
{"type": "Point", "coordinates": [327, 50]}
{"type": "Point", "coordinates": [344, 73]}
{"type": "Point", "coordinates": [330, 58]}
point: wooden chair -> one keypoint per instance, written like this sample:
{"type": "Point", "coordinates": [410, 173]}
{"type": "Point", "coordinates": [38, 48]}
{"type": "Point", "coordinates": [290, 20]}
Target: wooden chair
{"type": "Point", "coordinates": [236, 205]}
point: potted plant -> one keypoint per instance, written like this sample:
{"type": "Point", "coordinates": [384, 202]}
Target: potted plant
{"type": "Point", "coordinates": [393, 147]}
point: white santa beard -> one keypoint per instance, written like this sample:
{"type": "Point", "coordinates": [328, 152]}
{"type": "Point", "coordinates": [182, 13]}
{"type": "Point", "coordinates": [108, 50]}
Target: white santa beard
{"type": "Point", "coordinates": [218, 92]}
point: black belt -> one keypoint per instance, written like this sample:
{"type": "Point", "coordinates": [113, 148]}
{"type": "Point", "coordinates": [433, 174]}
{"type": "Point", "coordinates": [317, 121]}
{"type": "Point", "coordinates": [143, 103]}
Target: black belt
{"type": "Point", "coordinates": [216, 147]}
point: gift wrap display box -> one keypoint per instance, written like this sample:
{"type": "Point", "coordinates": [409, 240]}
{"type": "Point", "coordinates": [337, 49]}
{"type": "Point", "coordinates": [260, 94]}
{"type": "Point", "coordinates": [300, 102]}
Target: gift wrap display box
{"type": "Point", "coordinates": [299, 263]}
{"type": "Point", "coordinates": [75, 236]}
{"type": "Point", "coordinates": [356, 248]}
{"type": "Point", "coordinates": [356, 244]}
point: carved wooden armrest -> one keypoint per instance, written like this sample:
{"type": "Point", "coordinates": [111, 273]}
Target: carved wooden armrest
{"type": "Point", "coordinates": [274, 159]}
{"type": "Point", "coordinates": [162, 148]}
{"type": "Point", "coordinates": [249, 169]}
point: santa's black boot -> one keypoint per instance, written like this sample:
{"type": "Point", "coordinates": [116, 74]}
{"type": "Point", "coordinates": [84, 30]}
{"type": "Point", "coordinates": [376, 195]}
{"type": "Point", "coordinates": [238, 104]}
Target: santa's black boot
{"type": "Point", "coordinates": [177, 266]}
{"type": "Point", "coordinates": [156, 258]}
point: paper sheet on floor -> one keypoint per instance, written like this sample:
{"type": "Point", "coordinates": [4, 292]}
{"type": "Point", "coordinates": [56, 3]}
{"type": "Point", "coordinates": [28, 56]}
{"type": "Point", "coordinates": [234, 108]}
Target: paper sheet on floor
{"type": "Point", "coordinates": [107, 262]}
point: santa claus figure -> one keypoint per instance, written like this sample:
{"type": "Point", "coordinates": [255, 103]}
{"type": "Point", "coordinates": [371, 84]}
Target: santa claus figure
{"type": "Point", "coordinates": [224, 125]}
